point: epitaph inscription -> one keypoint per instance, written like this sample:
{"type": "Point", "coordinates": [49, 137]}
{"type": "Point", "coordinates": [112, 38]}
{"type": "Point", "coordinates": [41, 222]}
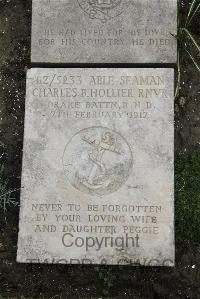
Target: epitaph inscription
{"type": "Point", "coordinates": [97, 176]}
{"type": "Point", "coordinates": [104, 31]}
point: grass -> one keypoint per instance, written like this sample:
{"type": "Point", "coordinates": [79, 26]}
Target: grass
{"type": "Point", "coordinates": [187, 166]}
{"type": "Point", "coordinates": [187, 42]}
{"type": "Point", "coordinates": [107, 278]}
{"type": "Point", "coordinates": [187, 178]}
{"type": "Point", "coordinates": [6, 199]}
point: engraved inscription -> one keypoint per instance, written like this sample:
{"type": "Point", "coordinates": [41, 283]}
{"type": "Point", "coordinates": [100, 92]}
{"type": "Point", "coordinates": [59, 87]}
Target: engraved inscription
{"type": "Point", "coordinates": [97, 160]}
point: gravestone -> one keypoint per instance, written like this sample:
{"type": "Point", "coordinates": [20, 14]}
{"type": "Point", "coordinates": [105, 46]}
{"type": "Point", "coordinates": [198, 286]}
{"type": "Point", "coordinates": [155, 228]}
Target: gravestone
{"type": "Point", "coordinates": [104, 31]}
{"type": "Point", "coordinates": [97, 175]}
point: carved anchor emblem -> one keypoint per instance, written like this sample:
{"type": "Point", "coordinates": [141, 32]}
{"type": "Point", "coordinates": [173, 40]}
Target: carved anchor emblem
{"type": "Point", "coordinates": [97, 177]}
{"type": "Point", "coordinates": [97, 160]}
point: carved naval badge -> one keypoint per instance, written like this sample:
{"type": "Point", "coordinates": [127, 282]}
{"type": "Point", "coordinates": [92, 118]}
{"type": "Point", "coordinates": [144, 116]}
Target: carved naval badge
{"type": "Point", "coordinates": [97, 160]}
{"type": "Point", "coordinates": [103, 10]}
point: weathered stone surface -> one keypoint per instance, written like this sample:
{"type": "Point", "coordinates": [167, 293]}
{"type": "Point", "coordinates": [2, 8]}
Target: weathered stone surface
{"type": "Point", "coordinates": [95, 31]}
{"type": "Point", "coordinates": [97, 177]}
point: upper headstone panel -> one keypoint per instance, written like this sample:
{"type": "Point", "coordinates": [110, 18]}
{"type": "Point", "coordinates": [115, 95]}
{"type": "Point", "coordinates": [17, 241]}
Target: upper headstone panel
{"type": "Point", "coordinates": [104, 31]}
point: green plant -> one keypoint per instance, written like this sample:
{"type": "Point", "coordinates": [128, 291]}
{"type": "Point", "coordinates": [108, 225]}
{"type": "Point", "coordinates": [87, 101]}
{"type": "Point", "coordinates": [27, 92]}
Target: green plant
{"type": "Point", "coordinates": [6, 198]}
{"type": "Point", "coordinates": [187, 178]}
{"type": "Point", "coordinates": [187, 42]}
{"type": "Point", "coordinates": [107, 277]}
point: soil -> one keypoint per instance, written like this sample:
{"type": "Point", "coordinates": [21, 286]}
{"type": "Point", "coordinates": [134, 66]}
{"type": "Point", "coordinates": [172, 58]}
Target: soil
{"type": "Point", "coordinates": [65, 281]}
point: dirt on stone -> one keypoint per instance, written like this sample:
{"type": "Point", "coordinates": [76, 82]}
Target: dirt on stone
{"type": "Point", "coordinates": [67, 281]}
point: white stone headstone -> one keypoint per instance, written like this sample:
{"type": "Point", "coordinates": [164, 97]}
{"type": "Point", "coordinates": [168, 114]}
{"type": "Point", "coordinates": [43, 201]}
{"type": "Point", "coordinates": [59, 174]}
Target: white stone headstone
{"type": "Point", "coordinates": [98, 159]}
{"type": "Point", "coordinates": [104, 31]}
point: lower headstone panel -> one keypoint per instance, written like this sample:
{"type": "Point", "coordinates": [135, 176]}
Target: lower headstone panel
{"type": "Point", "coordinates": [98, 167]}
